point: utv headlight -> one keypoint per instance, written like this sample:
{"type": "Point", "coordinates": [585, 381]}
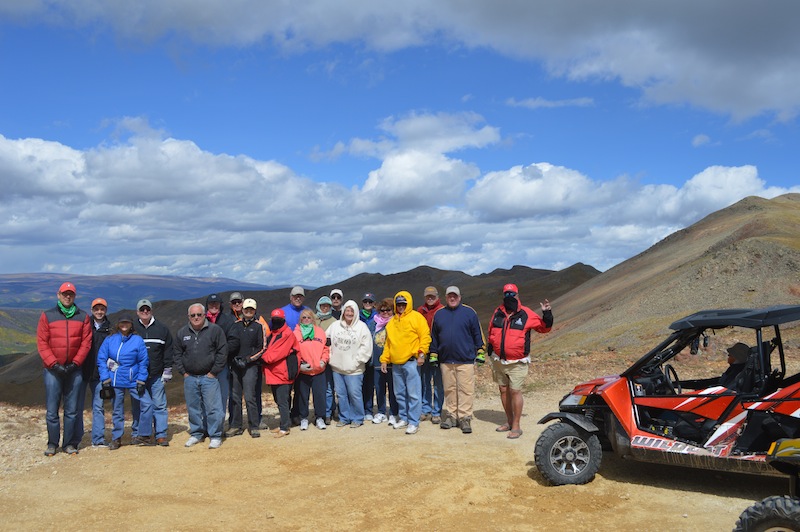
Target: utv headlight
{"type": "Point", "coordinates": [573, 400]}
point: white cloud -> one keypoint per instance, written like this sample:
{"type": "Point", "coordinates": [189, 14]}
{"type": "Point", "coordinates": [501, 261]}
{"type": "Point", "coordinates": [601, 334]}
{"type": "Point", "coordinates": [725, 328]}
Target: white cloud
{"type": "Point", "coordinates": [700, 140]}
{"type": "Point", "coordinates": [148, 203]}
{"type": "Point", "coordinates": [542, 103]}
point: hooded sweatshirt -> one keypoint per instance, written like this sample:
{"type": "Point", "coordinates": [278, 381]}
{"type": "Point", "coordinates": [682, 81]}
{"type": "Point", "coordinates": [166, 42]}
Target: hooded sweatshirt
{"type": "Point", "coordinates": [351, 344]}
{"type": "Point", "coordinates": [407, 334]}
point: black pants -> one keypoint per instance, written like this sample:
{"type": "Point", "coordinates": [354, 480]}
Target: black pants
{"type": "Point", "coordinates": [280, 393]}
{"type": "Point", "coordinates": [245, 381]}
{"type": "Point", "coordinates": [315, 384]}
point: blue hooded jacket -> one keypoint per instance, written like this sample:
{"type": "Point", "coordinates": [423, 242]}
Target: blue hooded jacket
{"type": "Point", "coordinates": [123, 359]}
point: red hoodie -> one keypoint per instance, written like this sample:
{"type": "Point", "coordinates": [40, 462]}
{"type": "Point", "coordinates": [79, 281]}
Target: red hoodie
{"type": "Point", "coordinates": [281, 344]}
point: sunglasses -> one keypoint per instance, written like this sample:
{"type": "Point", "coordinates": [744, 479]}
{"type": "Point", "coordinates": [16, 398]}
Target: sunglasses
{"type": "Point", "coordinates": [305, 317]}
{"type": "Point", "coordinates": [336, 297]}
{"type": "Point", "coordinates": [386, 310]}
{"type": "Point", "coordinates": [195, 315]}
{"type": "Point", "coordinates": [236, 302]}
{"type": "Point", "coordinates": [145, 309]}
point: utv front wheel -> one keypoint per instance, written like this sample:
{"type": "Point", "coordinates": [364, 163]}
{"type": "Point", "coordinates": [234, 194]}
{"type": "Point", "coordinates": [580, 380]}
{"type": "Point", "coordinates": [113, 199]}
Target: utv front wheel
{"type": "Point", "coordinates": [773, 513]}
{"type": "Point", "coordinates": [566, 456]}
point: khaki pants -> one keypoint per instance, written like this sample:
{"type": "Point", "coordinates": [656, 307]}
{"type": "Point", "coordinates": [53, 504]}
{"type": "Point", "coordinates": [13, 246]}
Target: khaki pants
{"type": "Point", "coordinates": [459, 388]}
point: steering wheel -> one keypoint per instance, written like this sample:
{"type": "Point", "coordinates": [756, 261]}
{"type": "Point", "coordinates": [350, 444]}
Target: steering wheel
{"type": "Point", "coordinates": [672, 379]}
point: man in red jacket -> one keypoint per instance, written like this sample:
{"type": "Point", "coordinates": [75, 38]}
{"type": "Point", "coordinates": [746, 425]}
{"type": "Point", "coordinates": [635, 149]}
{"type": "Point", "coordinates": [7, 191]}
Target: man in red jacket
{"type": "Point", "coordinates": [64, 338]}
{"type": "Point", "coordinates": [509, 346]}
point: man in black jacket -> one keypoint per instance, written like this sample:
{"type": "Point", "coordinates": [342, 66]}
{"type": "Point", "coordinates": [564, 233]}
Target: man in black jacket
{"type": "Point", "coordinates": [158, 340]}
{"type": "Point", "coordinates": [201, 353]}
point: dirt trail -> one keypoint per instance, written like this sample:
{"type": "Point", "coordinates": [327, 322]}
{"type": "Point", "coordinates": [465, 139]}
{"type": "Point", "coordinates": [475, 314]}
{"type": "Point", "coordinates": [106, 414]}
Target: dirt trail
{"type": "Point", "coordinates": [371, 478]}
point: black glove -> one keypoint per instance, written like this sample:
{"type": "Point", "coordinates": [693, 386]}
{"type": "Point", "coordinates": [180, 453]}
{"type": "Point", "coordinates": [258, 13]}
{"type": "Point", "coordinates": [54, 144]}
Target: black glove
{"type": "Point", "coordinates": [140, 388]}
{"type": "Point", "coordinates": [107, 392]}
{"type": "Point", "coordinates": [70, 367]}
{"type": "Point", "coordinates": [240, 362]}
{"type": "Point", "coordinates": [59, 369]}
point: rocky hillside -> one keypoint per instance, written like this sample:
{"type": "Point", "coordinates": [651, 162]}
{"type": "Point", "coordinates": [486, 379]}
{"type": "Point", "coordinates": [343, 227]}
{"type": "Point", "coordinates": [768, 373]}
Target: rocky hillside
{"type": "Point", "coordinates": [747, 255]}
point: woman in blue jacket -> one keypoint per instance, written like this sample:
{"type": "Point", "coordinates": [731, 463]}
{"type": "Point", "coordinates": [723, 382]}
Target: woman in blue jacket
{"type": "Point", "coordinates": [122, 363]}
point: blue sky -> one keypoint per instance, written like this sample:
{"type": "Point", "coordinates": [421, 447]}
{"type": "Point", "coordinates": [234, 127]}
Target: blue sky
{"type": "Point", "coordinates": [278, 144]}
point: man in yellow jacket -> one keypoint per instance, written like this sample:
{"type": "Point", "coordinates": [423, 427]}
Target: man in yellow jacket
{"type": "Point", "coordinates": [408, 338]}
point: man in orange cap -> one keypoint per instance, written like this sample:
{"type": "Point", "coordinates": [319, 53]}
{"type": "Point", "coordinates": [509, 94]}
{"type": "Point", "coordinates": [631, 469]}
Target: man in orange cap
{"type": "Point", "coordinates": [509, 346]}
{"type": "Point", "coordinates": [64, 338]}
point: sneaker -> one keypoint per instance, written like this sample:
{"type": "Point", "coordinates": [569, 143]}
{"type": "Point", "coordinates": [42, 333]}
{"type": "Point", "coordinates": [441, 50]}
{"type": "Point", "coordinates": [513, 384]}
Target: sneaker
{"type": "Point", "coordinates": [355, 425]}
{"type": "Point", "coordinates": [215, 443]}
{"type": "Point", "coordinates": [436, 420]}
{"type": "Point", "coordinates": [51, 450]}
{"type": "Point", "coordinates": [254, 433]}
{"type": "Point", "coordinates": [368, 417]}
{"type": "Point", "coordinates": [341, 423]}
{"type": "Point", "coordinates": [114, 445]}
{"type": "Point", "coordinates": [194, 440]}
{"type": "Point", "coordinates": [378, 419]}
{"type": "Point", "coordinates": [162, 442]}
{"type": "Point", "coordinates": [466, 427]}
{"type": "Point", "coordinates": [100, 445]}
{"type": "Point", "coordinates": [70, 449]}
{"type": "Point", "coordinates": [392, 421]}
{"type": "Point", "coordinates": [401, 424]}
{"type": "Point", "coordinates": [424, 417]}
{"type": "Point", "coordinates": [412, 429]}
{"type": "Point", "coordinates": [321, 423]}
{"type": "Point", "coordinates": [303, 424]}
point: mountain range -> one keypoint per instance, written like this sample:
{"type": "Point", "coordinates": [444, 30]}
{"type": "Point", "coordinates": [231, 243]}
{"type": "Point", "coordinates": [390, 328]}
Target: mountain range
{"type": "Point", "coordinates": [746, 255]}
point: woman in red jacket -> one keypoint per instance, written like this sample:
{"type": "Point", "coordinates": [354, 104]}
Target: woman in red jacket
{"type": "Point", "coordinates": [280, 366]}
{"type": "Point", "coordinates": [314, 357]}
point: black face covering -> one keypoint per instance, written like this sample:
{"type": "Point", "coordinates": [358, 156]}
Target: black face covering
{"type": "Point", "coordinates": [276, 323]}
{"type": "Point", "coordinates": [511, 304]}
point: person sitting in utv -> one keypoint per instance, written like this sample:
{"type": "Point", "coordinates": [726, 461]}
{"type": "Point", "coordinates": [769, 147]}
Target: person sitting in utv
{"type": "Point", "coordinates": [737, 357]}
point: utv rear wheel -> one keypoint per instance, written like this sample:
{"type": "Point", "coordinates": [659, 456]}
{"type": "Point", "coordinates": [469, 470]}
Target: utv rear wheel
{"type": "Point", "coordinates": [773, 513]}
{"type": "Point", "coordinates": [565, 455]}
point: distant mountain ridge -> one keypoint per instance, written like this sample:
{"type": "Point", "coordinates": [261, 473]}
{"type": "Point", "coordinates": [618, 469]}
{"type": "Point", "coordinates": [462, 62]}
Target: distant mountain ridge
{"type": "Point", "coordinates": [38, 290]}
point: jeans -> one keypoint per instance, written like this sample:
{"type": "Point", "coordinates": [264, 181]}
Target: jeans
{"type": "Point", "coordinates": [154, 413]}
{"type": "Point", "coordinates": [281, 393]}
{"type": "Point", "coordinates": [118, 413]}
{"type": "Point", "coordinates": [245, 382]}
{"type": "Point", "coordinates": [384, 383]}
{"type": "Point", "coordinates": [368, 388]}
{"type": "Point", "coordinates": [98, 414]}
{"type": "Point", "coordinates": [202, 395]}
{"type": "Point", "coordinates": [351, 402]}
{"type": "Point", "coordinates": [307, 385]}
{"type": "Point", "coordinates": [57, 387]}
{"type": "Point", "coordinates": [330, 393]}
{"type": "Point", "coordinates": [79, 428]}
{"type": "Point", "coordinates": [224, 378]}
{"type": "Point", "coordinates": [432, 396]}
{"type": "Point", "coordinates": [407, 389]}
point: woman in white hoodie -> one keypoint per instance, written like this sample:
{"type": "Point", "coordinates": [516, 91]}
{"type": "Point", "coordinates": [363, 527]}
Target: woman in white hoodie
{"type": "Point", "coordinates": [351, 348]}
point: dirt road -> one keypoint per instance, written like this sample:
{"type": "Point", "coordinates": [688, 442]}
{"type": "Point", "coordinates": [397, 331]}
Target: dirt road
{"type": "Point", "coordinates": [371, 478]}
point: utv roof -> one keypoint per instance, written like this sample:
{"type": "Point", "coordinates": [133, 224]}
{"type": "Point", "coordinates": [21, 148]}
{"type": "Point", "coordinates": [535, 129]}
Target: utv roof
{"type": "Point", "coordinates": [740, 317]}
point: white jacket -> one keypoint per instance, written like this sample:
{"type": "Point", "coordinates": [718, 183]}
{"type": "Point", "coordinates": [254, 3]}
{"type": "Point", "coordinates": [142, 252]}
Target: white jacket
{"type": "Point", "coordinates": [351, 344]}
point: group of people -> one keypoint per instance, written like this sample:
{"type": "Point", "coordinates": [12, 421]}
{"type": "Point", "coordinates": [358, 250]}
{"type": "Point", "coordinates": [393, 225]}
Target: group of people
{"type": "Point", "coordinates": [383, 361]}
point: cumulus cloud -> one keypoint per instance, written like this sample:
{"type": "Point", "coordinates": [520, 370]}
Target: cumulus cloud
{"type": "Point", "coordinates": [730, 56]}
{"type": "Point", "coordinates": [150, 203]}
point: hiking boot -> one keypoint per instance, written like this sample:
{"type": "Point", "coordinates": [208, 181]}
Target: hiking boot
{"type": "Point", "coordinates": [327, 420]}
{"type": "Point", "coordinates": [254, 433]}
{"type": "Point", "coordinates": [448, 421]}
{"type": "Point", "coordinates": [70, 449]}
{"type": "Point", "coordinates": [436, 420]}
{"type": "Point", "coordinates": [51, 450]}
{"type": "Point", "coordinates": [466, 426]}
{"type": "Point", "coordinates": [143, 441]}
{"type": "Point", "coordinates": [424, 417]}
{"type": "Point", "coordinates": [114, 445]}
{"type": "Point", "coordinates": [234, 431]}
{"type": "Point", "coordinates": [162, 442]}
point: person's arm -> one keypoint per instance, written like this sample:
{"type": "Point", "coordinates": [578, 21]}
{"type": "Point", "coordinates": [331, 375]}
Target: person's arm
{"type": "Point", "coordinates": [43, 342]}
{"type": "Point", "coordinates": [220, 352]}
